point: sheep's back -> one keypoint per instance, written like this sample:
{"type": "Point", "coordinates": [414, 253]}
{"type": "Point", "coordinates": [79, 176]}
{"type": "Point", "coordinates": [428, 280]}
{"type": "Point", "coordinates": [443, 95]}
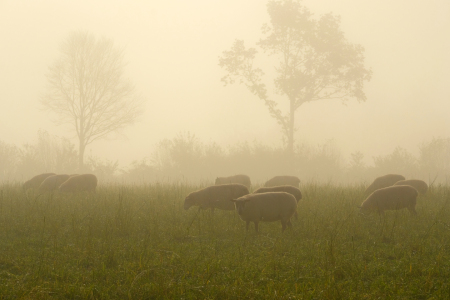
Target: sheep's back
{"type": "Point", "coordinates": [283, 180]}
{"type": "Point", "coordinates": [80, 183]}
{"type": "Point", "coordinates": [53, 182]}
{"type": "Point", "coordinates": [240, 179]}
{"type": "Point", "coordinates": [383, 181]}
{"type": "Point", "coordinates": [283, 188]}
{"type": "Point", "coordinates": [36, 181]}
{"type": "Point", "coordinates": [419, 185]}
{"type": "Point", "coordinates": [217, 196]}
{"type": "Point", "coordinates": [268, 207]}
{"type": "Point", "coordinates": [391, 198]}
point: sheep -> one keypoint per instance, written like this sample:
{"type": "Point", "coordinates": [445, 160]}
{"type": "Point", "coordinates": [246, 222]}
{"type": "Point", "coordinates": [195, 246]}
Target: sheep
{"type": "Point", "coordinates": [79, 183]}
{"type": "Point", "coordinates": [241, 179]}
{"type": "Point", "coordinates": [283, 180]}
{"type": "Point", "coordinates": [266, 207]}
{"type": "Point", "coordinates": [36, 181]}
{"type": "Point", "coordinates": [52, 183]}
{"type": "Point", "coordinates": [282, 188]}
{"type": "Point", "coordinates": [382, 182]}
{"type": "Point", "coordinates": [391, 198]}
{"type": "Point", "coordinates": [419, 185]}
{"type": "Point", "coordinates": [216, 196]}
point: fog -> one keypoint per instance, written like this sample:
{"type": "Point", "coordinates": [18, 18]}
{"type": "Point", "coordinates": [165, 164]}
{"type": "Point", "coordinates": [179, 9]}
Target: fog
{"type": "Point", "coordinates": [172, 49]}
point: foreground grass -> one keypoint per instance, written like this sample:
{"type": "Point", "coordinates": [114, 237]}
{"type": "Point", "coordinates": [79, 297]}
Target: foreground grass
{"type": "Point", "coordinates": [129, 242]}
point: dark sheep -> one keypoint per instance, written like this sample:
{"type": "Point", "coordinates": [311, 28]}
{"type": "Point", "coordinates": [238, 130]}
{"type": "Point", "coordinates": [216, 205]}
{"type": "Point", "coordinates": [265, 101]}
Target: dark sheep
{"type": "Point", "coordinates": [53, 182]}
{"type": "Point", "coordinates": [241, 179]}
{"type": "Point", "coordinates": [419, 185]}
{"type": "Point", "coordinates": [36, 181]}
{"type": "Point", "coordinates": [80, 183]}
{"type": "Point", "coordinates": [216, 196]}
{"type": "Point", "coordinates": [391, 198]}
{"type": "Point", "coordinates": [382, 182]}
{"type": "Point", "coordinates": [283, 180]}
{"type": "Point", "coordinates": [283, 188]}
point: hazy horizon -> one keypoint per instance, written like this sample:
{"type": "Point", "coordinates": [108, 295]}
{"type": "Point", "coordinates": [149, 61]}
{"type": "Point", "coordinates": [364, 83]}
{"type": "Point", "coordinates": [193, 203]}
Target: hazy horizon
{"type": "Point", "coordinates": [172, 49]}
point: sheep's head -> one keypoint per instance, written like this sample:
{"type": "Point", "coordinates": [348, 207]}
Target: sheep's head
{"type": "Point", "coordinates": [364, 210]}
{"type": "Point", "coordinates": [188, 202]}
{"type": "Point", "coordinates": [26, 185]}
{"type": "Point", "coordinates": [240, 205]}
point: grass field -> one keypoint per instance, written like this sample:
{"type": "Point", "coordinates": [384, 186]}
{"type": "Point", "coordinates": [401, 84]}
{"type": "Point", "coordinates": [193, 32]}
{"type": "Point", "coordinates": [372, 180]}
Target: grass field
{"type": "Point", "coordinates": [137, 242]}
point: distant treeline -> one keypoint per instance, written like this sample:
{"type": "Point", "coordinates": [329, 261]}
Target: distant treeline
{"type": "Point", "coordinates": [185, 158]}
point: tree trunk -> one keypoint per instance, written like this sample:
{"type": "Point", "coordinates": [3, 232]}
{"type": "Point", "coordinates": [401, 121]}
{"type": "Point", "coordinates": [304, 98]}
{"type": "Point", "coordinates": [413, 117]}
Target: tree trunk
{"type": "Point", "coordinates": [81, 149]}
{"type": "Point", "coordinates": [290, 137]}
{"type": "Point", "coordinates": [290, 166]}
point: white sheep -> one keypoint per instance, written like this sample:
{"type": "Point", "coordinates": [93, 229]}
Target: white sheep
{"type": "Point", "coordinates": [283, 188]}
{"type": "Point", "coordinates": [266, 207]}
{"type": "Point", "coordinates": [79, 183]}
{"type": "Point", "coordinates": [419, 185]}
{"type": "Point", "coordinates": [391, 198]}
{"type": "Point", "coordinates": [241, 179]}
{"type": "Point", "coordinates": [283, 180]}
{"type": "Point", "coordinates": [383, 181]}
{"type": "Point", "coordinates": [216, 196]}
{"type": "Point", "coordinates": [36, 181]}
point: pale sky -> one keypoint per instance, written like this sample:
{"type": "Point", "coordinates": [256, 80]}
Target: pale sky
{"type": "Point", "coordinates": [172, 49]}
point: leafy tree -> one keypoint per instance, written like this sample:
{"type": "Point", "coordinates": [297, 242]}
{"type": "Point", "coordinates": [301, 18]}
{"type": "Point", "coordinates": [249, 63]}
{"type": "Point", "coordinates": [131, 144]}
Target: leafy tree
{"type": "Point", "coordinates": [88, 91]}
{"type": "Point", "coordinates": [434, 158]}
{"type": "Point", "coordinates": [315, 62]}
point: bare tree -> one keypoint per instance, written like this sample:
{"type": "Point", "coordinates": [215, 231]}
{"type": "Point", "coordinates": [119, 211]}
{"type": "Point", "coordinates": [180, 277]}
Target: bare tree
{"type": "Point", "coordinates": [315, 62]}
{"type": "Point", "coordinates": [88, 91]}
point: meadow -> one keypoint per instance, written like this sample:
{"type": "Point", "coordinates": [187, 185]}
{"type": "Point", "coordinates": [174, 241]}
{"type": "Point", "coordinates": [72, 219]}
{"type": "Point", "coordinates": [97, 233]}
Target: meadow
{"type": "Point", "coordinates": [137, 242]}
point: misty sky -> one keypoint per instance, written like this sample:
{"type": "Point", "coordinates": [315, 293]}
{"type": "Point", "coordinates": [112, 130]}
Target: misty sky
{"type": "Point", "coordinates": [172, 49]}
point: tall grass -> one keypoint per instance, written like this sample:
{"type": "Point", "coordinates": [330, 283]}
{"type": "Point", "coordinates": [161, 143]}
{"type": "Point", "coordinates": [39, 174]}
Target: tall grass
{"type": "Point", "coordinates": [137, 242]}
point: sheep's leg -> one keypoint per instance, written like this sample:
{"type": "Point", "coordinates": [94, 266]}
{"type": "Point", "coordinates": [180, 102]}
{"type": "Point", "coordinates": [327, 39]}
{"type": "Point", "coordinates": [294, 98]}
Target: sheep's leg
{"type": "Point", "coordinates": [412, 210]}
{"type": "Point", "coordinates": [289, 224]}
{"type": "Point", "coordinates": [283, 225]}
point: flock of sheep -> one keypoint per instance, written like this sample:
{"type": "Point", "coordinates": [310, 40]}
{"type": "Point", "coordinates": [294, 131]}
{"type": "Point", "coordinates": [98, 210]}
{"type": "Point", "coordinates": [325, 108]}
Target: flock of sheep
{"type": "Point", "coordinates": [277, 200]}
{"type": "Point", "coordinates": [48, 182]}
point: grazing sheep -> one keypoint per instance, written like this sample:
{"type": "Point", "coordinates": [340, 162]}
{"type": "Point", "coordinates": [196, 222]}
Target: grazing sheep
{"type": "Point", "coordinates": [391, 198]}
{"type": "Point", "coordinates": [283, 188]}
{"type": "Point", "coordinates": [241, 179]}
{"type": "Point", "coordinates": [53, 182]}
{"type": "Point", "coordinates": [382, 182]}
{"type": "Point", "coordinates": [266, 207]}
{"type": "Point", "coordinates": [36, 181]}
{"type": "Point", "coordinates": [283, 180]}
{"type": "Point", "coordinates": [419, 185]}
{"type": "Point", "coordinates": [80, 183]}
{"type": "Point", "coordinates": [216, 196]}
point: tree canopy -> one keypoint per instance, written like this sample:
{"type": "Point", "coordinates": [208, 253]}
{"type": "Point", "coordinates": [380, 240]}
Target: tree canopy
{"type": "Point", "coordinates": [88, 90]}
{"type": "Point", "coordinates": [315, 62]}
